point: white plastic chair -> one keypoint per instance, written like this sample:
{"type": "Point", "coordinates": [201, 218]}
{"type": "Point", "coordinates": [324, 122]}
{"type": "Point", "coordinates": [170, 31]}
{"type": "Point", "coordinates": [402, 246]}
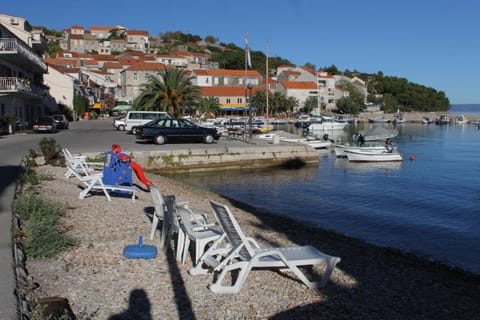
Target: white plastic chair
{"type": "Point", "coordinates": [201, 236]}
{"type": "Point", "coordinates": [78, 163]}
{"type": "Point", "coordinates": [244, 254]}
{"type": "Point", "coordinates": [166, 209]}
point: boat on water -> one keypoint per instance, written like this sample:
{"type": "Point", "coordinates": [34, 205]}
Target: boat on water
{"type": "Point", "coordinates": [378, 120]}
{"type": "Point", "coordinates": [326, 124]}
{"type": "Point", "coordinates": [461, 119]}
{"type": "Point", "coordinates": [426, 120]}
{"type": "Point", "coordinates": [399, 118]}
{"type": "Point", "coordinates": [340, 149]}
{"type": "Point", "coordinates": [443, 119]}
{"type": "Point", "coordinates": [388, 155]}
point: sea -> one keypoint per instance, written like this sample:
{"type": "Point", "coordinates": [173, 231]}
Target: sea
{"type": "Point", "coordinates": [428, 205]}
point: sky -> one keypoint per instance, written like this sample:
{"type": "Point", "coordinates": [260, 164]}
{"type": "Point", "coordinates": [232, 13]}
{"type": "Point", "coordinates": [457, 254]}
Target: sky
{"type": "Point", "coordinates": [435, 43]}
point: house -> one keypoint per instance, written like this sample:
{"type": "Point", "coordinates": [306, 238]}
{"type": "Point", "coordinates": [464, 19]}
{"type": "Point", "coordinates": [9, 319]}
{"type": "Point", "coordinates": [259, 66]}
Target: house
{"type": "Point", "coordinates": [225, 77]}
{"type": "Point", "coordinates": [134, 76]}
{"type": "Point", "coordinates": [301, 90]}
{"type": "Point", "coordinates": [62, 94]}
{"type": "Point", "coordinates": [22, 92]}
{"type": "Point", "coordinates": [232, 99]}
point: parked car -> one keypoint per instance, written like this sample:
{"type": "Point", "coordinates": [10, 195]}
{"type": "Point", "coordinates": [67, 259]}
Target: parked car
{"type": "Point", "coordinates": [120, 123]}
{"type": "Point", "coordinates": [62, 121]}
{"type": "Point", "coordinates": [161, 131]}
{"type": "Point", "coordinates": [45, 124]}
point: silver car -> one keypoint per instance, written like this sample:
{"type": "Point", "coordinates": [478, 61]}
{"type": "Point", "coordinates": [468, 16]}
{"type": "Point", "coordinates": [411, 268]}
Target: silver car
{"type": "Point", "coordinates": [120, 123]}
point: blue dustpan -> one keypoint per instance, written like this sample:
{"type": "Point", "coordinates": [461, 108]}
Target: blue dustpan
{"type": "Point", "coordinates": [140, 251]}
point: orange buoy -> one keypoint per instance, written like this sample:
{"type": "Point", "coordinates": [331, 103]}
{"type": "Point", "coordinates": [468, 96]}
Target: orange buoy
{"type": "Point", "coordinates": [412, 157]}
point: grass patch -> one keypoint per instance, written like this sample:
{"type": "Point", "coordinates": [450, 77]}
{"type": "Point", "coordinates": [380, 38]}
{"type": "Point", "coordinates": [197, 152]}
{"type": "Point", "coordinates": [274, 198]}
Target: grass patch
{"type": "Point", "coordinates": [41, 220]}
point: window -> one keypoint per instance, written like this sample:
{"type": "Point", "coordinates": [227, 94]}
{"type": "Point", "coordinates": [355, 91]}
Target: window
{"type": "Point", "coordinates": [228, 100]}
{"type": "Point", "coordinates": [239, 100]}
{"type": "Point", "coordinates": [135, 76]}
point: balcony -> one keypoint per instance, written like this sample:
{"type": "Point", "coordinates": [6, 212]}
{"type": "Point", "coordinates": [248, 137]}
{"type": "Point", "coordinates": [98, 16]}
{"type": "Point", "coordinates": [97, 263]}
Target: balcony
{"type": "Point", "coordinates": [13, 85]}
{"type": "Point", "coordinates": [21, 55]}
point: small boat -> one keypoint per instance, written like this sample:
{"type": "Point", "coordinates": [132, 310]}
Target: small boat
{"type": "Point", "coordinates": [443, 119]}
{"type": "Point", "coordinates": [460, 119]}
{"type": "Point", "coordinates": [340, 149]}
{"type": "Point", "coordinates": [399, 118]}
{"type": "Point", "coordinates": [378, 120]}
{"type": "Point", "coordinates": [390, 155]}
{"type": "Point", "coordinates": [326, 124]}
{"type": "Point", "coordinates": [426, 120]}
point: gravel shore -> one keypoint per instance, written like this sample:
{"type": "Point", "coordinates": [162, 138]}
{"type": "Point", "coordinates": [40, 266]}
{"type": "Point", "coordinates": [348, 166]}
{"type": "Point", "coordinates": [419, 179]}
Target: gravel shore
{"type": "Point", "coordinates": [369, 283]}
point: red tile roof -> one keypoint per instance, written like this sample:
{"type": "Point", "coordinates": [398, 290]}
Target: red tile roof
{"type": "Point", "coordinates": [298, 85]}
{"type": "Point", "coordinates": [137, 33]}
{"type": "Point", "coordinates": [142, 66]}
{"type": "Point", "coordinates": [227, 72]}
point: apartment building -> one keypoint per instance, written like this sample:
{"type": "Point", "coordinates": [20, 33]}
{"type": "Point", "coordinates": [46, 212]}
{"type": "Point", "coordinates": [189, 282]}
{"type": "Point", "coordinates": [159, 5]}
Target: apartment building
{"type": "Point", "coordinates": [22, 92]}
{"type": "Point", "coordinates": [230, 98]}
{"type": "Point", "coordinates": [226, 77]}
{"type": "Point", "coordinates": [133, 77]}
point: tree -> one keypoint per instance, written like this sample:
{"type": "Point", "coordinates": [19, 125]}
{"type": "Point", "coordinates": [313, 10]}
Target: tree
{"type": "Point", "coordinates": [291, 104]}
{"type": "Point", "coordinates": [259, 102]}
{"type": "Point", "coordinates": [311, 103]}
{"type": "Point", "coordinates": [209, 106]}
{"type": "Point", "coordinates": [172, 92]}
{"type": "Point", "coordinates": [354, 102]}
{"type": "Point", "coordinates": [211, 39]}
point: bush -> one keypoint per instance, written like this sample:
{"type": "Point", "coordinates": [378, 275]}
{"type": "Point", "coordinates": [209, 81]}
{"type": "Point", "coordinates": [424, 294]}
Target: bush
{"type": "Point", "coordinates": [52, 152]}
{"type": "Point", "coordinates": [44, 238]}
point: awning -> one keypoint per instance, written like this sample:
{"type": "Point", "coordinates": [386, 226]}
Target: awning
{"type": "Point", "coordinates": [238, 109]}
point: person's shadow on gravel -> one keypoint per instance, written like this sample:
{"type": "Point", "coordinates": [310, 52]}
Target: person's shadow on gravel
{"type": "Point", "coordinates": [139, 307]}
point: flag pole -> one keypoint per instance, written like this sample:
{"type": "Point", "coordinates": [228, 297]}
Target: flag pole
{"type": "Point", "coordinates": [267, 86]}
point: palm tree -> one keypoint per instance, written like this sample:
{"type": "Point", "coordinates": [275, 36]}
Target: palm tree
{"type": "Point", "coordinates": [209, 106]}
{"type": "Point", "coordinates": [172, 92]}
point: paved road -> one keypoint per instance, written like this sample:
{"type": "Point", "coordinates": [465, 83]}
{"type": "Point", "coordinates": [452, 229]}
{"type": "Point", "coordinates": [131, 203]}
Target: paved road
{"type": "Point", "coordinates": [83, 136]}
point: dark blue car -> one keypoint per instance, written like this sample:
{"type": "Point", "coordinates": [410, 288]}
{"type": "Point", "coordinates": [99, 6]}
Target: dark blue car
{"type": "Point", "coordinates": [161, 131]}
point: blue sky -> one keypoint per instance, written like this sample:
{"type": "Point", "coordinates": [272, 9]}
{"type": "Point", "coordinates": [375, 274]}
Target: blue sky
{"type": "Point", "coordinates": [435, 43]}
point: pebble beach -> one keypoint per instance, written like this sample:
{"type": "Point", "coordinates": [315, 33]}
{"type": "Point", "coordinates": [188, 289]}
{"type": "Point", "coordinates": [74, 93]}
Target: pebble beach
{"type": "Point", "coordinates": [370, 282]}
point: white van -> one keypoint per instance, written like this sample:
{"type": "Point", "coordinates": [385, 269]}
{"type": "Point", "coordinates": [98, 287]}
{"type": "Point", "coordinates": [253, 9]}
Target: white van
{"type": "Point", "coordinates": [138, 118]}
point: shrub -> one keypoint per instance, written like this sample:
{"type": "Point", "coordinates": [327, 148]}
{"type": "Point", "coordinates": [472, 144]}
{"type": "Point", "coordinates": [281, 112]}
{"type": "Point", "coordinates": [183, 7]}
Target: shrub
{"type": "Point", "coordinates": [44, 237]}
{"type": "Point", "coordinates": [52, 152]}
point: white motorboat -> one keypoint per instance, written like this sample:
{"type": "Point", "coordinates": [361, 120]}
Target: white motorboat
{"type": "Point", "coordinates": [378, 120]}
{"type": "Point", "coordinates": [327, 124]}
{"type": "Point", "coordinates": [390, 155]}
{"type": "Point", "coordinates": [426, 120]}
{"type": "Point", "coordinates": [443, 119]}
{"type": "Point", "coordinates": [340, 149]}
{"type": "Point", "coordinates": [460, 119]}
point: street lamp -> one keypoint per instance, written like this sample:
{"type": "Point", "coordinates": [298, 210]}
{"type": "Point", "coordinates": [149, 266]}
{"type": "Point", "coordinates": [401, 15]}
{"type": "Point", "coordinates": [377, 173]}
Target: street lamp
{"type": "Point", "coordinates": [249, 87]}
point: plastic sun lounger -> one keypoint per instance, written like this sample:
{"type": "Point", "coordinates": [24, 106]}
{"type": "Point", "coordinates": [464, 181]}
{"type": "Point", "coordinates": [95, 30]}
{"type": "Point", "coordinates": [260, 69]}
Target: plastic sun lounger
{"type": "Point", "coordinates": [95, 182]}
{"type": "Point", "coordinates": [244, 254]}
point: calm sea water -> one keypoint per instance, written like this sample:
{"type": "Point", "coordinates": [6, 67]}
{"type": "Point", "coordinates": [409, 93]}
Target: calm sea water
{"type": "Point", "coordinates": [429, 206]}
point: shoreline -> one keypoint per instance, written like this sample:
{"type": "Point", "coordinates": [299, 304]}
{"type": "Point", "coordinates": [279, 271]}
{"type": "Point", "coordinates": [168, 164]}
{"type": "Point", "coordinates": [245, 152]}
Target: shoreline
{"type": "Point", "coordinates": [370, 282]}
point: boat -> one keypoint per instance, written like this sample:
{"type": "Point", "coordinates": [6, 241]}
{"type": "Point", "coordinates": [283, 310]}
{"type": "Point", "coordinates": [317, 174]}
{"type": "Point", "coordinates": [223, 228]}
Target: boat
{"type": "Point", "coordinates": [399, 118]}
{"type": "Point", "coordinates": [340, 149]}
{"type": "Point", "coordinates": [327, 123]}
{"type": "Point", "coordinates": [303, 121]}
{"type": "Point", "coordinates": [426, 120]}
{"type": "Point", "coordinates": [461, 119]}
{"type": "Point", "coordinates": [378, 120]}
{"type": "Point", "coordinates": [390, 155]}
{"type": "Point", "coordinates": [443, 119]}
